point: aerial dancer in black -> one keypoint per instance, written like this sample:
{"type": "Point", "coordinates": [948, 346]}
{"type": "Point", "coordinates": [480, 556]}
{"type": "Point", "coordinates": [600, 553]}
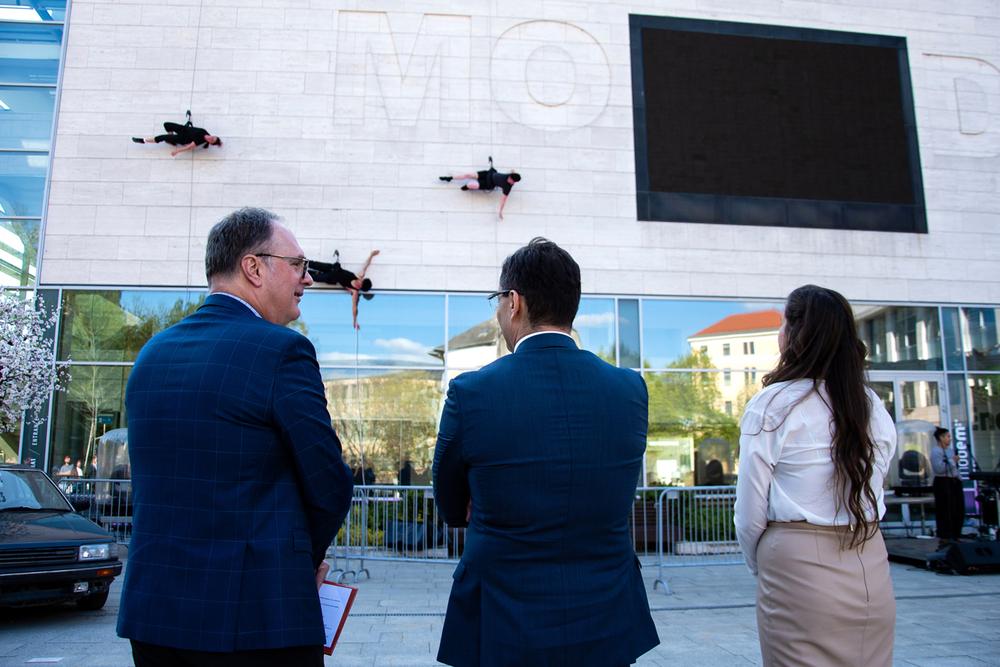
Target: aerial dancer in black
{"type": "Point", "coordinates": [187, 136]}
{"type": "Point", "coordinates": [487, 181]}
{"type": "Point", "coordinates": [334, 274]}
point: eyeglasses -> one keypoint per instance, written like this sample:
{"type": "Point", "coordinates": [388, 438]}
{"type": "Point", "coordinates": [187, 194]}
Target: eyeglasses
{"type": "Point", "coordinates": [294, 261]}
{"type": "Point", "coordinates": [494, 299]}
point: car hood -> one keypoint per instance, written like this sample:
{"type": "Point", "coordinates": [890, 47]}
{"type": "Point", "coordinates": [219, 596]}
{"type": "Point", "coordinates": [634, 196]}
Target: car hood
{"type": "Point", "coordinates": [22, 527]}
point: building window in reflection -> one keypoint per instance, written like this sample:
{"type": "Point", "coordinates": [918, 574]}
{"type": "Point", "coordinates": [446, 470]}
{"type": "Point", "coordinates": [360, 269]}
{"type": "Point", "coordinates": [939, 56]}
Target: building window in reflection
{"type": "Point", "coordinates": [900, 337]}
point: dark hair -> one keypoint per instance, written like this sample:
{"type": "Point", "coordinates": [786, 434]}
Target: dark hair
{"type": "Point", "coordinates": [514, 176]}
{"type": "Point", "coordinates": [822, 345]}
{"type": "Point", "coordinates": [549, 280]}
{"type": "Point", "coordinates": [366, 285]}
{"type": "Point", "coordinates": [938, 432]}
{"type": "Point", "coordinates": [241, 233]}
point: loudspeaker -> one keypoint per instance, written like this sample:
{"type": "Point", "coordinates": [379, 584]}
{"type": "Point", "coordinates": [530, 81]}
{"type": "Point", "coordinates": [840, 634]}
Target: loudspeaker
{"type": "Point", "coordinates": [974, 557]}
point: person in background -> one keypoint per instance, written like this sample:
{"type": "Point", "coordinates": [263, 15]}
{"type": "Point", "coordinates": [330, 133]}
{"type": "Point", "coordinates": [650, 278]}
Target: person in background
{"type": "Point", "coordinates": [949, 499]}
{"type": "Point", "coordinates": [67, 467]}
{"type": "Point", "coordinates": [815, 446]}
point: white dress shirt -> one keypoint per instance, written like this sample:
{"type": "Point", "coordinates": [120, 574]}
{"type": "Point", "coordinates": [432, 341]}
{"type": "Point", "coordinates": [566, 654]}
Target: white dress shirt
{"type": "Point", "coordinates": [786, 465]}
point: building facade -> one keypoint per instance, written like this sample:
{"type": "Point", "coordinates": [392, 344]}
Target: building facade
{"type": "Point", "coordinates": [341, 116]}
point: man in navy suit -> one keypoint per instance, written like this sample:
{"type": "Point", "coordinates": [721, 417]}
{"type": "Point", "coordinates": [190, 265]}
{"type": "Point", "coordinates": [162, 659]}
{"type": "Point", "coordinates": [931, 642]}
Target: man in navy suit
{"type": "Point", "coordinates": [238, 481]}
{"type": "Point", "coordinates": [539, 454]}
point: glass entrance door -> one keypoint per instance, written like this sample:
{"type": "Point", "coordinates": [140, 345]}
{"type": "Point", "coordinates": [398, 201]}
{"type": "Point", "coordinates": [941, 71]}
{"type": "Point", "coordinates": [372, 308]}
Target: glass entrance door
{"type": "Point", "coordinates": [917, 407]}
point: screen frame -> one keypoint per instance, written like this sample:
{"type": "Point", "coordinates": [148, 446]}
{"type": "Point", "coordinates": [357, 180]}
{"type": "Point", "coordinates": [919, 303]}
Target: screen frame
{"type": "Point", "coordinates": [657, 206]}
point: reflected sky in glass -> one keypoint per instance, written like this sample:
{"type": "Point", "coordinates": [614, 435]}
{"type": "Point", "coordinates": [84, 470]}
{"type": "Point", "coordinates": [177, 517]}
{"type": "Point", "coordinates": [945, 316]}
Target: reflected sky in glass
{"type": "Point", "coordinates": [396, 329]}
{"type": "Point", "coordinates": [26, 122]}
{"type": "Point", "coordinates": [466, 312]}
{"type": "Point", "coordinates": [666, 325]}
{"type": "Point", "coordinates": [29, 53]}
{"type": "Point", "coordinates": [595, 322]}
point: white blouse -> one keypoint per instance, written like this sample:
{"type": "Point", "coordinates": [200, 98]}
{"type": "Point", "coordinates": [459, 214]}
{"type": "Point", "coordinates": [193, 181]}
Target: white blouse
{"type": "Point", "coordinates": [786, 467]}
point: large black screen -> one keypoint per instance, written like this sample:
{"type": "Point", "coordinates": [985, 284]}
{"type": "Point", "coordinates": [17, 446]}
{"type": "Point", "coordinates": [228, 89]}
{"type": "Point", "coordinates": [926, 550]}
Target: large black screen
{"type": "Point", "coordinates": [763, 125]}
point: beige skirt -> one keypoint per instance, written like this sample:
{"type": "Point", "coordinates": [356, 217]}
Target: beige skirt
{"type": "Point", "coordinates": [818, 604]}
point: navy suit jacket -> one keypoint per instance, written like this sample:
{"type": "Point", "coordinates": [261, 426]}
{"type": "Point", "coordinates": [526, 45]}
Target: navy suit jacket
{"type": "Point", "coordinates": [548, 442]}
{"type": "Point", "coordinates": [238, 485]}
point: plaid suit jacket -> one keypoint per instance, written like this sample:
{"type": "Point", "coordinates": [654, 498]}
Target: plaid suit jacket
{"type": "Point", "coordinates": [548, 442]}
{"type": "Point", "coordinates": [238, 485]}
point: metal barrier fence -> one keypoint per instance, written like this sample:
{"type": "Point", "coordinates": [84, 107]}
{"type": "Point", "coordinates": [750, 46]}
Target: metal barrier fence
{"type": "Point", "coordinates": [669, 527]}
{"type": "Point", "coordinates": [107, 502]}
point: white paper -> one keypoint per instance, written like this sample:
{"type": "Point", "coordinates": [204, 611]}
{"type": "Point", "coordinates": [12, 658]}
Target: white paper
{"type": "Point", "coordinates": [333, 600]}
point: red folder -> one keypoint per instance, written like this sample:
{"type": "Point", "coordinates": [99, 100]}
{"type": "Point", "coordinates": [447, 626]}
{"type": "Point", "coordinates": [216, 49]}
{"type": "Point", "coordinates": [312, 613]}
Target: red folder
{"type": "Point", "coordinates": [336, 601]}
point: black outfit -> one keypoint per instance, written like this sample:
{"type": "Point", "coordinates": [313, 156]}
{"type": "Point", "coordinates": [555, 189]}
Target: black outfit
{"type": "Point", "coordinates": [491, 179]}
{"type": "Point", "coordinates": [182, 135]}
{"type": "Point", "coordinates": [949, 501]}
{"type": "Point", "coordinates": [332, 274]}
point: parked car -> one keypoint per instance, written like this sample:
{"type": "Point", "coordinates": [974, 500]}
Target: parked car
{"type": "Point", "coordinates": [48, 552]}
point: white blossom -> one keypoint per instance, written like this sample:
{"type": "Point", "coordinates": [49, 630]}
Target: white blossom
{"type": "Point", "coordinates": [28, 369]}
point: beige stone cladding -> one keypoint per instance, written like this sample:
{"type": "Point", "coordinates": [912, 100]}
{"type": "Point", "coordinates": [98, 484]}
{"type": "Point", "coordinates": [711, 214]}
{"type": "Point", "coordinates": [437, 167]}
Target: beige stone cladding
{"type": "Point", "coordinates": [341, 115]}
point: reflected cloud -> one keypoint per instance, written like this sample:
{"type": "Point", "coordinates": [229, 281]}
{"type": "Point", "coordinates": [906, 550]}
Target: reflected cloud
{"type": "Point", "coordinates": [594, 320]}
{"type": "Point", "coordinates": [403, 346]}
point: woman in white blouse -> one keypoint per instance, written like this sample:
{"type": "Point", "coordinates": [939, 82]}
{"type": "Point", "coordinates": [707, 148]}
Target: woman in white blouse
{"type": "Point", "coordinates": [815, 446]}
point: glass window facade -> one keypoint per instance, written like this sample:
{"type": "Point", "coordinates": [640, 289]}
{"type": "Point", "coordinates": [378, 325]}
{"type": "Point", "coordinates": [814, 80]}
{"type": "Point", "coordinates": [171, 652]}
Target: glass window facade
{"type": "Point", "coordinates": [31, 36]}
{"type": "Point", "coordinates": [386, 382]}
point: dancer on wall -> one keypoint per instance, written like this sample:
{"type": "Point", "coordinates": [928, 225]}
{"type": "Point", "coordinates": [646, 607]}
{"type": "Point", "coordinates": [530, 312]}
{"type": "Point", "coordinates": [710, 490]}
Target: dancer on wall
{"type": "Point", "coordinates": [334, 274]}
{"type": "Point", "coordinates": [487, 181]}
{"type": "Point", "coordinates": [187, 136]}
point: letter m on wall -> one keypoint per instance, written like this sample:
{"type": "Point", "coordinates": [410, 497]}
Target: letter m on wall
{"type": "Point", "coordinates": [415, 69]}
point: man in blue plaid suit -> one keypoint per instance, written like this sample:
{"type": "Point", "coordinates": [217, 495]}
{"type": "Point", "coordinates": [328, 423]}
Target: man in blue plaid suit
{"type": "Point", "coordinates": [238, 481]}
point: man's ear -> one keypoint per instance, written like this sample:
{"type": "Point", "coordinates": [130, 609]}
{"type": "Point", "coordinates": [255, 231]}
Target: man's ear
{"type": "Point", "coordinates": [252, 267]}
{"type": "Point", "coordinates": [518, 308]}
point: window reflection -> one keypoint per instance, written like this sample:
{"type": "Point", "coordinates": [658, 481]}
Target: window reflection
{"type": "Point", "coordinates": [22, 183]}
{"type": "Point", "coordinates": [111, 325]}
{"type": "Point", "coordinates": [396, 329]}
{"type": "Point", "coordinates": [29, 53]}
{"type": "Point", "coordinates": [628, 333]}
{"type": "Point", "coordinates": [27, 118]}
{"type": "Point", "coordinates": [18, 252]}
{"type": "Point", "coordinates": [900, 338]}
{"type": "Point", "coordinates": [93, 404]}
{"type": "Point", "coordinates": [982, 347]}
{"type": "Point", "coordinates": [474, 335]}
{"type": "Point", "coordinates": [389, 418]}
{"type": "Point", "coordinates": [690, 427]}
{"type": "Point", "coordinates": [673, 333]}
{"type": "Point", "coordinates": [595, 327]}
{"type": "Point", "coordinates": [33, 10]}
{"type": "Point", "coordinates": [985, 390]}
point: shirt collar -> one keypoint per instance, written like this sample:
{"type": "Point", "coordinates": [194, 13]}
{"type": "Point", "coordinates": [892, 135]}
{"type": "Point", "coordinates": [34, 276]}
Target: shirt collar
{"type": "Point", "coordinates": [539, 333]}
{"type": "Point", "coordinates": [233, 296]}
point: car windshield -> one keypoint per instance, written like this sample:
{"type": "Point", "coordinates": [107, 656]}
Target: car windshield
{"type": "Point", "coordinates": [30, 489]}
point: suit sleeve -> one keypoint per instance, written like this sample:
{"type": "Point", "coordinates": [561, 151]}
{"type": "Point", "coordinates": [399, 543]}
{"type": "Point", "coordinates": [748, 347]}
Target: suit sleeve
{"type": "Point", "coordinates": [325, 481]}
{"type": "Point", "coordinates": [451, 472]}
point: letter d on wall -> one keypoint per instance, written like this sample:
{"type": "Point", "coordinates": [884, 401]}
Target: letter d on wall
{"type": "Point", "coordinates": [550, 75]}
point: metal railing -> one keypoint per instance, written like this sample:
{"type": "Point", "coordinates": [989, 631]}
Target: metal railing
{"type": "Point", "coordinates": [107, 502]}
{"type": "Point", "coordinates": [669, 527]}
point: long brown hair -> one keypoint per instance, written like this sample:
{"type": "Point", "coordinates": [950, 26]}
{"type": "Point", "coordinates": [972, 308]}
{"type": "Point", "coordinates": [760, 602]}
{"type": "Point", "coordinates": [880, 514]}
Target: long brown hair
{"type": "Point", "coordinates": [822, 345]}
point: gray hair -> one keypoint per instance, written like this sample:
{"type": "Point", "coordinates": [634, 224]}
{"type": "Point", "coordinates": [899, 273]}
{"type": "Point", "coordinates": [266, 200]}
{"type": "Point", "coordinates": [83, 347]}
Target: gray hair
{"type": "Point", "coordinates": [241, 233]}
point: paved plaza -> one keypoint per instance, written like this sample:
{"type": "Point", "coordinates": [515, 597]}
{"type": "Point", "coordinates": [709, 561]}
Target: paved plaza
{"type": "Point", "coordinates": [708, 619]}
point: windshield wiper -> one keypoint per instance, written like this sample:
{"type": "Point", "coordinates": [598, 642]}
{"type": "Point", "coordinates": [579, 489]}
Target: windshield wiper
{"type": "Point", "coordinates": [22, 507]}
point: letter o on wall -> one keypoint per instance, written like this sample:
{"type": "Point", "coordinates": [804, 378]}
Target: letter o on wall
{"type": "Point", "coordinates": [550, 75]}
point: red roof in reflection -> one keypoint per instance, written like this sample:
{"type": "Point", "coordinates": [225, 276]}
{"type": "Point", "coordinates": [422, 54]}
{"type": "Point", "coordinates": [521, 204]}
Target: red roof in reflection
{"type": "Point", "coordinates": [758, 320]}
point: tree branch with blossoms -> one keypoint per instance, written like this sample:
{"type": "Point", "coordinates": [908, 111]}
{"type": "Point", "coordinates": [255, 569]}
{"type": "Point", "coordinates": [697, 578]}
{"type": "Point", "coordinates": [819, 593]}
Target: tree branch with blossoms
{"type": "Point", "coordinates": [29, 372]}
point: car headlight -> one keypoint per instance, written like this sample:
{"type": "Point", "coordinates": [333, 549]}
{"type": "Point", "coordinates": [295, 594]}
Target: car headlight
{"type": "Point", "coordinates": [98, 551]}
